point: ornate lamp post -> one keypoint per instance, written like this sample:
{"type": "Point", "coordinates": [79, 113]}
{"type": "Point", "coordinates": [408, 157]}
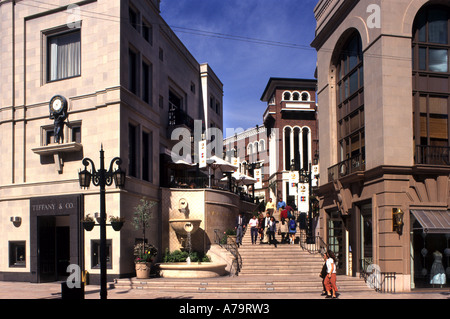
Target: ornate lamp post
{"type": "Point", "coordinates": [306, 177]}
{"type": "Point", "coordinates": [102, 178]}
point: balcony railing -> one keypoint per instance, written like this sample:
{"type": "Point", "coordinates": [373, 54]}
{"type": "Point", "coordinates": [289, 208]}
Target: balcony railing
{"type": "Point", "coordinates": [179, 117]}
{"type": "Point", "coordinates": [432, 155]}
{"type": "Point", "coordinates": [347, 167]}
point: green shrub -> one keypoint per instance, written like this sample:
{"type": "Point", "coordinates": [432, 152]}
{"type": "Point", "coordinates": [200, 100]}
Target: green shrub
{"type": "Point", "coordinates": [179, 256]}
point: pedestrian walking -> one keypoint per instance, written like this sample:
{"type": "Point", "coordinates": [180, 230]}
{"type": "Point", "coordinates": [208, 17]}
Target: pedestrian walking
{"type": "Point", "coordinates": [270, 206]}
{"type": "Point", "coordinates": [271, 231]}
{"type": "Point", "coordinates": [323, 274]}
{"type": "Point", "coordinates": [292, 230]}
{"type": "Point", "coordinates": [284, 230]}
{"type": "Point", "coordinates": [330, 279]}
{"type": "Point", "coordinates": [240, 225]}
{"type": "Point", "coordinates": [261, 226]}
{"type": "Point", "coordinates": [265, 239]}
{"type": "Point", "coordinates": [253, 224]}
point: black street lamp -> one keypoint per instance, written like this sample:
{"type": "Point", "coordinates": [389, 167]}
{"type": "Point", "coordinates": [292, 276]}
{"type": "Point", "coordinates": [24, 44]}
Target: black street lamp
{"type": "Point", "coordinates": [102, 178]}
{"type": "Point", "coordinates": [306, 177]}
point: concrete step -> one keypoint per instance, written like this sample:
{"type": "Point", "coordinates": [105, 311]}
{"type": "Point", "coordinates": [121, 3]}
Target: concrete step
{"type": "Point", "coordinates": [256, 284]}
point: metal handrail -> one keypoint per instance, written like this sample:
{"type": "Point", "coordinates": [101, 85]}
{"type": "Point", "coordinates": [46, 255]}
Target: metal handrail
{"type": "Point", "coordinates": [233, 249]}
{"type": "Point", "coordinates": [317, 247]}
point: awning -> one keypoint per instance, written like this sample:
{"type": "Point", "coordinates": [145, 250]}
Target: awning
{"type": "Point", "coordinates": [433, 221]}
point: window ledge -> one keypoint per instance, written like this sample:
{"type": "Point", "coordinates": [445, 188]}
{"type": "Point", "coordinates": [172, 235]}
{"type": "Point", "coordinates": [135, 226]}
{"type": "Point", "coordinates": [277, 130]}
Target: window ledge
{"type": "Point", "coordinates": [58, 148]}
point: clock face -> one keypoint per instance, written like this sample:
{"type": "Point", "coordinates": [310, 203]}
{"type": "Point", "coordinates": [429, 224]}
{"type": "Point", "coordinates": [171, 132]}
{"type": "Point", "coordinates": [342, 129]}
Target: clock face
{"type": "Point", "coordinates": [57, 104]}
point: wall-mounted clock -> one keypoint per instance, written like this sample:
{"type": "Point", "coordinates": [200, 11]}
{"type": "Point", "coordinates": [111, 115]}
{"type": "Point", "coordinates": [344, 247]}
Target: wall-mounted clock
{"type": "Point", "coordinates": [58, 105]}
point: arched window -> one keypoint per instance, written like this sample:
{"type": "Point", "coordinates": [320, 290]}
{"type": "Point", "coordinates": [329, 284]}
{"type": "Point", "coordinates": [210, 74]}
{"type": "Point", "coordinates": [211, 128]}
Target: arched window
{"type": "Point", "coordinates": [287, 147]}
{"type": "Point", "coordinates": [286, 96]}
{"type": "Point", "coordinates": [350, 99]}
{"type": "Point", "coordinates": [305, 96]}
{"type": "Point", "coordinates": [296, 96]}
{"type": "Point", "coordinates": [431, 98]}
{"type": "Point", "coordinates": [262, 146]}
{"type": "Point", "coordinates": [249, 149]}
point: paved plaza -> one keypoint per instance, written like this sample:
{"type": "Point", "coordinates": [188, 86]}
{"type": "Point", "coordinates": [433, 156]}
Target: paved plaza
{"type": "Point", "coordinates": [20, 290]}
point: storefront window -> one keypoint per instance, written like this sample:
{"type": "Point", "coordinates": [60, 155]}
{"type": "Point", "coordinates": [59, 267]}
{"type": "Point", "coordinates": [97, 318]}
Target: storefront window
{"type": "Point", "coordinates": [431, 259]}
{"type": "Point", "coordinates": [17, 254]}
{"type": "Point", "coordinates": [95, 254]}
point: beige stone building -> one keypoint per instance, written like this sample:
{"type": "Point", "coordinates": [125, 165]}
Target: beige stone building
{"type": "Point", "coordinates": [383, 104]}
{"type": "Point", "coordinates": [125, 81]}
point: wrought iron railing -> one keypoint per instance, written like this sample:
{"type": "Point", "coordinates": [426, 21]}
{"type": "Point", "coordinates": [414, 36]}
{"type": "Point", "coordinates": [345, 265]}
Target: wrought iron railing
{"type": "Point", "coordinates": [432, 155]}
{"type": "Point", "coordinates": [232, 247]}
{"type": "Point", "coordinates": [347, 167]}
{"type": "Point", "coordinates": [316, 246]}
{"type": "Point", "coordinates": [383, 282]}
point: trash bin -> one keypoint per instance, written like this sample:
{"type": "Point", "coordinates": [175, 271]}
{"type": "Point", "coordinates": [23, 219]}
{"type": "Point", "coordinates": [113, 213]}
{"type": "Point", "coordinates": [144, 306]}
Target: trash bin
{"type": "Point", "coordinates": [72, 293]}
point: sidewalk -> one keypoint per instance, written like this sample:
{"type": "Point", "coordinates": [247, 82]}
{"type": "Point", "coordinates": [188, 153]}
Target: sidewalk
{"type": "Point", "coordinates": [20, 290]}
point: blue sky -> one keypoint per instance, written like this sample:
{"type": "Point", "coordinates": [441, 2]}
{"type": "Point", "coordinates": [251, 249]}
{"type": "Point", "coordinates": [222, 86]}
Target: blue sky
{"type": "Point", "coordinates": [229, 43]}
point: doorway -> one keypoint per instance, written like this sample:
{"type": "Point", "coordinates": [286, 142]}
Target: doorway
{"type": "Point", "coordinates": [53, 247]}
{"type": "Point", "coordinates": [336, 240]}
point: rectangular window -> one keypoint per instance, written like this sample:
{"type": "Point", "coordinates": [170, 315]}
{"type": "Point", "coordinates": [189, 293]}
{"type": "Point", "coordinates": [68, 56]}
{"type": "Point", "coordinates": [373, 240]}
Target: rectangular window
{"type": "Point", "coordinates": [76, 133]}
{"type": "Point", "coordinates": [132, 150]}
{"type": "Point", "coordinates": [132, 72]}
{"type": "Point", "coordinates": [353, 82]}
{"type": "Point", "coordinates": [147, 84]}
{"type": "Point", "coordinates": [134, 18]}
{"type": "Point", "coordinates": [147, 155]}
{"type": "Point", "coordinates": [422, 59]}
{"type": "Point", "coordinates": [49, 136]}
{"type": "Point", "coordinates": [64, 56]}
{"type": "Point", "coordinates": [17, 256]}
{"type": "Point", "coordinates": [95, 254]}
{"type": "Point", "coordinates": [147, 32]}
{"type": "Point", "coordinates": [438, 60]}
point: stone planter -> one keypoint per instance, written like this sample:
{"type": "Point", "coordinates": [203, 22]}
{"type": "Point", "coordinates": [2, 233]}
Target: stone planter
{"type": "Point", "coordinates": [143, 270]}
{"type": "Point", "coordinates": [192, 270]}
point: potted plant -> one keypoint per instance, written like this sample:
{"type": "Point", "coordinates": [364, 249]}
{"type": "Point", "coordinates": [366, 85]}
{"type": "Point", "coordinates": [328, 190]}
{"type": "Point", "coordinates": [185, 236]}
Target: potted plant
{"type": "Point", "coordinates": [116, 222]}
{"type": "Point", "coordinates": [141, 220]}
{"type": "Point", "coordinates": [88, 222]}
{"type": "Point", "coordinates": [143, 257]}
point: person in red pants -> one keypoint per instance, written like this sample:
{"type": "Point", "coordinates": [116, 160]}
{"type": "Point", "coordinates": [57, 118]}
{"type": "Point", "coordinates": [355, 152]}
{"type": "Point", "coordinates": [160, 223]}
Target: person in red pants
{"type": "Point", "coordinates": [330, 279]}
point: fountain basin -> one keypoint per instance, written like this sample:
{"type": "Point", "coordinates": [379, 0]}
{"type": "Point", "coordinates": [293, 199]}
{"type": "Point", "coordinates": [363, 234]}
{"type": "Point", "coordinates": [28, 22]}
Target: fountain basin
{"type": "Point", "coordinates": [185, 226]}
{"type": "Point", "coordinates": [192, 270]}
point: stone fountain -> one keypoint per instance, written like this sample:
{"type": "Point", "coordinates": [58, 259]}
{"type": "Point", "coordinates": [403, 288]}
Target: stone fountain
{"type": "Point", "coordinates": [185, 228]}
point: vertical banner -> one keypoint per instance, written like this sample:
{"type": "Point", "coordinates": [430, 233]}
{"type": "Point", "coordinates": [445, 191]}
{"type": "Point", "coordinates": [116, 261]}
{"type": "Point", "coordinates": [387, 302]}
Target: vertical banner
{"type": "Point", "coordinates": [293, 180]}
{"type": "Point", "coordinates": [303, 197]}
{"type": "Point", "coordinates": [314, 175]}
{"type": "Point", "coordinates": [235, 161]}
{"type": "Point", "coordinates": [258, 176]}
{"type": "Point", "coordinates": [202, 153]}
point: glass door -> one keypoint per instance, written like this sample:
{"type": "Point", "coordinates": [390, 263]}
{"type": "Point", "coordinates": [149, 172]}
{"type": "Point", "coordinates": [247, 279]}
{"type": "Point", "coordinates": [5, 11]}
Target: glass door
{"type": "Point", "coordinates": [335, 240]}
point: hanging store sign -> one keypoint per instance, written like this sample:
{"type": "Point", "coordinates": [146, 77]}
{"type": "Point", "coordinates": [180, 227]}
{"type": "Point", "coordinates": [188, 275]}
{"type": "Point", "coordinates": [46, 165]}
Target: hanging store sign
{"type": "Point", "coordinates": [258, 176]}
{"type": "Point", "coordinates": [303, 197]}
{"type": "Point", "coordinates": [293, 180]}
{"type": "Point", "coordinates": [202, 153]}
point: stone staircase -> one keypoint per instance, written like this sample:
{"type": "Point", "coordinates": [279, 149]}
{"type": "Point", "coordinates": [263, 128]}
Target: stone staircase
{"type": "Point", "coordinates": [265, 269]}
